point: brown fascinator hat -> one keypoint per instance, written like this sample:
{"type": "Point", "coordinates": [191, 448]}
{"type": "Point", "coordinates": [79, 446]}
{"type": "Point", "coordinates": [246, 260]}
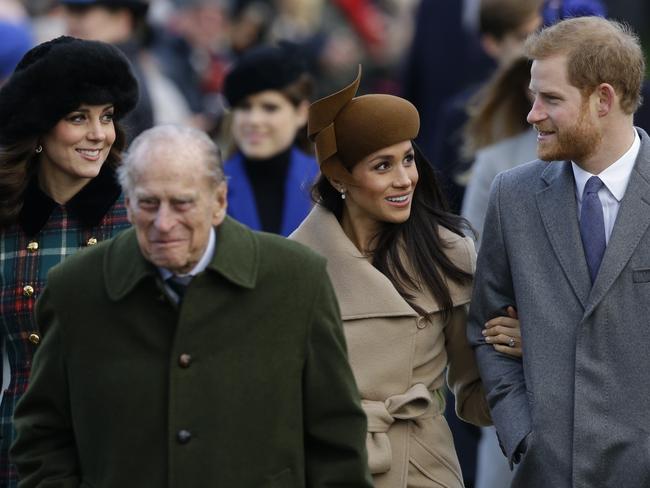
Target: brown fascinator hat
{"type": "Point", "coordinates": [345, 128]}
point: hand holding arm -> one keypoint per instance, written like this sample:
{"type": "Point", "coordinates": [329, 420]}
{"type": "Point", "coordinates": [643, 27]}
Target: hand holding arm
{"type": "Point", "coordinates": [504, 333]}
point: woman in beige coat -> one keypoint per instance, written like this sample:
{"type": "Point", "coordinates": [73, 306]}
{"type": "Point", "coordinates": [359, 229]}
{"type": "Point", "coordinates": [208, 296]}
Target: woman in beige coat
{"type": "Point", "coordinates": [401, 268]}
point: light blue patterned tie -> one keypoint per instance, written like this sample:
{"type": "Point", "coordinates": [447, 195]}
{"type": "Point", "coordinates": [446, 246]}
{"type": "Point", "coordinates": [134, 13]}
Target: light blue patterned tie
{"type": "Point", "coordinates": [592, 226]}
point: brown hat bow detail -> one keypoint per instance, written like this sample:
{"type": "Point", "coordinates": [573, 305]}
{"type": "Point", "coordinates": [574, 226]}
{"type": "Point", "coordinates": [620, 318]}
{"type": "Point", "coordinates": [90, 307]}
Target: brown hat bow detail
{"type": "Point", "coordinates": [346, 129]}
{"type": "Point", "coordinates": [322, 113]}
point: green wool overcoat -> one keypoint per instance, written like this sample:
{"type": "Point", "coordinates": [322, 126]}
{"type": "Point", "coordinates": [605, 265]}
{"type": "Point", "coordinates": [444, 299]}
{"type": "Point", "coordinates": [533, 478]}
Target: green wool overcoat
{"type": "Point", "coordinates": [247, 384]}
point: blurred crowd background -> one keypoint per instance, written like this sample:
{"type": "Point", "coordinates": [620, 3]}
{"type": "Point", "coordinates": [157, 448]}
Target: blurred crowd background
{"type": "Point", "coordinates": [460, 69]}
{"type": "Point", "coordinates": [427, 51]}
{"type": "Point", "coordinates": [424, 50]}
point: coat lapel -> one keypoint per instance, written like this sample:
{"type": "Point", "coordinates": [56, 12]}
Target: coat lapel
{"type": "Point", "coordinates": [631, 224]}
{"type": "Point", "coordinates": [558, 208]}
{"type": "Point", "coordinates": [125, 266]}
{"type": "Point", "coordinates": [236, 258]}
{"type": "Point", "coordinates": [362, 290]}
{"type": "Point", "coordinates": [236, 255]}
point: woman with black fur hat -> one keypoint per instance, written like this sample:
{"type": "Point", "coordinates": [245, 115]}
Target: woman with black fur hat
{"type": "Point", "coordinates": [401, 265]}
{"type": "Point", "coordinates": [59, 146]}
{"type": "Point", "coordinates": [269, 173]}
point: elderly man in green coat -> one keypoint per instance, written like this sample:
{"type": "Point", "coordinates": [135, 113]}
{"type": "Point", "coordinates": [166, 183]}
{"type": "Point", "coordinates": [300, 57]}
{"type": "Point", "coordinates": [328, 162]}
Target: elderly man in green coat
{"type": "Point", "coordinates": [189, 351]}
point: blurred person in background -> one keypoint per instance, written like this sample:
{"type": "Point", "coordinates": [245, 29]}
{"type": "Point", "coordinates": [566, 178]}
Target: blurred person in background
{"type": "Point", "coordinates": [336, 36]}
{"type": "Point", "coordinates": [60, 143]}
{"type": "Point", "coordinates": [556, 10]}
{"type": "Point", "coordinates": [445, 35]}
{"type": "Point", "coordinates": [504, 25]}
{"type": "Point", "coordinates": [196, 54]}
{"type": "Point", "coordinates": [497, 135]}
{"type": "Point", "coordinates": [15, 40]}
{"type": "Point", "coordinates": [124, 24]}
{"type": "Point", "coordinates": [270, 172]}
{"type": "Point", "coordinates": [16, 37]}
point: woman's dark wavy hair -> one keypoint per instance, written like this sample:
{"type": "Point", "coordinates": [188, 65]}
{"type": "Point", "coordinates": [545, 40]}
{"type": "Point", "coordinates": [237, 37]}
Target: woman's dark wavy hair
{"type": "Point", "coordinates": [18, 163]}
{"type": "Point", "coordinates": [418, 236]}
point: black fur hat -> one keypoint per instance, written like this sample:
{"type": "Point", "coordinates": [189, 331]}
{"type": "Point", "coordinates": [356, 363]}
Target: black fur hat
{"type": "Point", "coordinates": [56, 77]}
{"type": "Point", "coordinates": [264, 68]}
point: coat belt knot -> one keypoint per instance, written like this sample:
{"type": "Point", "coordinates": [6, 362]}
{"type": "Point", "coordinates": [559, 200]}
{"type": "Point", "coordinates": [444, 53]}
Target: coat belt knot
{"type": "Point", "coordinates": [416, 402]}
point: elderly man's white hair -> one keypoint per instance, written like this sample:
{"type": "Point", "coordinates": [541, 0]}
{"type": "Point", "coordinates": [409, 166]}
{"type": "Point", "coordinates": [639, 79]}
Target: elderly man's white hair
{"type": "Point", "coordinates": [165, 137]}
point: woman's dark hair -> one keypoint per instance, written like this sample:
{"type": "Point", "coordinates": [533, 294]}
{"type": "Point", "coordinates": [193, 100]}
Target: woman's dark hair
{"type": "Point", "coordinates": [18, 164]}
{"type": "Point", "coordinates": [416, 239]}
{"type": "Point", "coordinates": [298, 92]}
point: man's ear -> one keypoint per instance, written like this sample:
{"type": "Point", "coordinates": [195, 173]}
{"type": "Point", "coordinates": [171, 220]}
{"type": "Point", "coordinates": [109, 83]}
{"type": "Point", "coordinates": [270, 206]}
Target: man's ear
{"type": "Point", "coordinates": [127, 203]}
{"type": "Point", "coordinates": [221, 203]}
{"type": "Point", "coordinates": [605, 97]}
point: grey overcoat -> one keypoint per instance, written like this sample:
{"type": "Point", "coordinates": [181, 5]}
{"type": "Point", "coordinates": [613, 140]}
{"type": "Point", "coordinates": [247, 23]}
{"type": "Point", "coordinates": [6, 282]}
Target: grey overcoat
{"type": "Point", "coordinates": [582, 390]}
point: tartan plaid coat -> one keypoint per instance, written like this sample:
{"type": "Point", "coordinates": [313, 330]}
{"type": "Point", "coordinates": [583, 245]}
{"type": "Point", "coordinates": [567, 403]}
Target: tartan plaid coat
{"type": "Point", "coordinates": [44, 234]}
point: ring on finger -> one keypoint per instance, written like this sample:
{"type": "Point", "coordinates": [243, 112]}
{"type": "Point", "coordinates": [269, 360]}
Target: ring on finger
{"type": "Point", "coordinates": [512, 342]}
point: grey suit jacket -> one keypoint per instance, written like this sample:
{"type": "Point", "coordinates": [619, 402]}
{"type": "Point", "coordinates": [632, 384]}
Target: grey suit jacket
{"type": "Point", "coordinates": [582, 390]}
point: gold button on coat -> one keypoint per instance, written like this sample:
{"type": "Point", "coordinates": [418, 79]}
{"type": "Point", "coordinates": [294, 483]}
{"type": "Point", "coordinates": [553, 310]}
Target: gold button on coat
{"type": "Point", "coordinates": [28, 290]}
{"type": "Point", "coordinates": [34, 338]}
{"type": "Point", "coordinates": [32, 246]}
{"type": "Point", "coordinates": [91, 241]}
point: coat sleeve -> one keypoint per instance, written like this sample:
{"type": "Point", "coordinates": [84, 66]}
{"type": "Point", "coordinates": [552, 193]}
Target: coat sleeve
{"type": "Point", "coordinates": [462, 373]}
{"type": "Point", "coordinates": [502, 375]}
{"type": "Point", "coordinates": [44, 450]}
{"type": "Point", "coordinates": [335, 425]}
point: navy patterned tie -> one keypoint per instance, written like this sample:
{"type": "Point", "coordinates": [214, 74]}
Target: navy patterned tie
{"type": "Point", "coordinates": [179, 284]}
{"type": "Point", "coordinates": [592, 226]}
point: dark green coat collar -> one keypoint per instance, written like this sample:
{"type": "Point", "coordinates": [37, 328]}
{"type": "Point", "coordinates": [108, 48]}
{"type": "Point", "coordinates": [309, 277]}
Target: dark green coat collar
{"type": "Point", "coordinates": [236, 258]}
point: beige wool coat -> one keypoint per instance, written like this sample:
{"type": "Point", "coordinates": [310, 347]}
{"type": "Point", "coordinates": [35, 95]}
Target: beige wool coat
{"type": "Point", "coordinates": [400, 359]}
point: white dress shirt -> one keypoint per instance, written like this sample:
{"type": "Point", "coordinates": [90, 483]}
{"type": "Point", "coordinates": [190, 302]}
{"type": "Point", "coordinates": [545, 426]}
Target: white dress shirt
{"type": "Point", "coordinates": [200, 266]}
{"type": "Point", "coordinates": [615, 179]}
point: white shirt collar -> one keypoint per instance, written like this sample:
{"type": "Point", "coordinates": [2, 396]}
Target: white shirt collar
{"type": "Point", "coordinates": [616, 176]}
{"type": "Point", "coordinates": [203, 262]}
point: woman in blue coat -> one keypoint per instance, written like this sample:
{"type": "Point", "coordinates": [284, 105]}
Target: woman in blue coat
{"type": "Point", "coordinates": [269, 175]}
